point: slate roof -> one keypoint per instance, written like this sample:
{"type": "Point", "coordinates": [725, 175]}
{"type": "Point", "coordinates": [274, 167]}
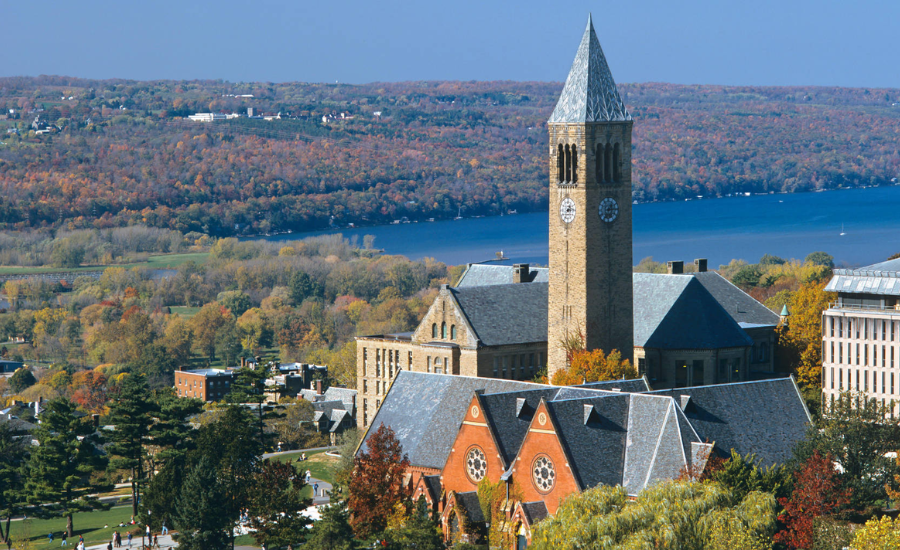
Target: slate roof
{"type": "Point", "coordinates": [677, 312]}
{"type": "Point", "coordinates": [426, 410]}
{"type": "Point", "coordinates": [483, 275]}
{"type": "Point", "coordinates": [534, 511]}
{"type": "Point", "coordinates": [433, 485]}
{"type": "Point", "coordinates": [505, 314]}
{"type": "Point", "coordinates": [469, 502]}
{"type": "Point", "coordinates": [636, 385]}
{"type": "Point", "coordinates": [590, 93]}
{"type": "Point", "coordinates": [742, 307]}
{"type": "Point", "coordinates": [766, 417]}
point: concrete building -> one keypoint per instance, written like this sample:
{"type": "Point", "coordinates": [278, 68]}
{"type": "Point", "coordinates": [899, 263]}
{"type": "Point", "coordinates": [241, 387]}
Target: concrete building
{"type": "Point", "coordinates": [861, 334]}
{"type": "Point", "coordinates": [205, 384]}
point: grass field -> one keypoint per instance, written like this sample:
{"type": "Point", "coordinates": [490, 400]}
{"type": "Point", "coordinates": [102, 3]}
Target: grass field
{"type": "Point", "coordinates": [318, 463]}
{"type": "Point", "coordinates": [90, 525]}
{"type": "Point", "coordinates": [162, 261]}
{"type": "Point", "coordinates": [185, 311]}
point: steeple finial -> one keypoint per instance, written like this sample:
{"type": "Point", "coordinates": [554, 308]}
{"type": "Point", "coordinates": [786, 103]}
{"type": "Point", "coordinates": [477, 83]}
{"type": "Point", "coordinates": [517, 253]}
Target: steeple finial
{"type": "Point", "coordinates": [590, 93]}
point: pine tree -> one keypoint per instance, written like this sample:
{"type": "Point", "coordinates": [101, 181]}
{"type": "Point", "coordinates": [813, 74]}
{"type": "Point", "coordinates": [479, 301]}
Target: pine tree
{"type": "Point", "coordinates": [201, 515]}
{"type": "Point", "coordinates": [332, 531]}
{"type": "Point", "coordinates": [58, 481]}
{"type": "Point", "coordinates": [275, 505]}
{"type": "Point", "coordinates": [131, 413]}
{"type": "Point", "coordinates": [12, 459]}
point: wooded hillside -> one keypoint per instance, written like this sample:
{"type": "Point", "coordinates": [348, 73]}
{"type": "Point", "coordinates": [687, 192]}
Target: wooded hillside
{"type": "Point", "coordinates": [124, 154]}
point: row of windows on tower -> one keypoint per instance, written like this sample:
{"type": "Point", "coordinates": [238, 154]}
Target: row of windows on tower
{"type": "Point", "coordinates": [606, 163]}
{"type": "Point", "coordinates": [443, 333]}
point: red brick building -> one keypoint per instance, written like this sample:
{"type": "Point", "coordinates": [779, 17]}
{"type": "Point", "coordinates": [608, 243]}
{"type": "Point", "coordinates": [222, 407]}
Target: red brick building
{"type": "Point", "coordinates": [205, 384]}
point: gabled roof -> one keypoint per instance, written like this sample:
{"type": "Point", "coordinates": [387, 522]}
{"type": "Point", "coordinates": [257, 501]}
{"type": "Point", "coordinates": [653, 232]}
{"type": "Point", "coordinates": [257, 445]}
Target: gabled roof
{"type": "Point", "coordinates": [742, 307]}
{"type": "Point", "coordinates": [677, 312]}
{"type": "Point", "coordinates": [426, 410]}
{"type": "Point", "coordinates": [766, 417]}
{"type": "Point", "coordinates": [433, 486]}
{"type": "Point", "coordinates": [590, 93]}
{"type": "Point", "coordinates": [534, 511]}
{"type": "Point", "coordinates": [636, 385]}
{"type": "Point", "coordinates": [505, 314]}
{"type": "Point", "coordinates": [469, 502]}
{"type": "Point", "coordinates": [483, 275]}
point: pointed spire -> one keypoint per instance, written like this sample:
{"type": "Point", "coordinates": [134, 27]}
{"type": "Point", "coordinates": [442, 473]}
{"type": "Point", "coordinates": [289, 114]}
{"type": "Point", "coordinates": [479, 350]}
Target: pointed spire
{"type": "Point", "coordinates": [590, 93]}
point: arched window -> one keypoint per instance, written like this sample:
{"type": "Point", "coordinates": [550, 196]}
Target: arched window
{"type": "Point", "coordinates": [444, 331]}
{"type": "Point", "coordinates": [574, 164]}
{"type": "Point", "coordinates": [568, 176]}
{"type": "Point", "coordinates": [617, 176]}
{"type": "Point", "coordinates": [453, 332]}
{"type": "Point", "coordinates": [598, 164]}
{"type": "Point", "coordinates": [607, 163]}
{"type": "Point", "coordinates": [434, 330]}
{"type": "Point", "coordinates": [560, 159]}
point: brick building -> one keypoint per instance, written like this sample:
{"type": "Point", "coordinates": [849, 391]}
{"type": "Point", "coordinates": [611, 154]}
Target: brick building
{"type": "Point", "coordinates": [205, 384]}
{"type": "Point", "coordinates": [547, 442]}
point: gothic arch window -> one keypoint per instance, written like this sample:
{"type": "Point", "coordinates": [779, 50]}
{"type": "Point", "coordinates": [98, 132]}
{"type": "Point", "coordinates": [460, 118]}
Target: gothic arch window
{"type": "Point", "coordinates": [568, 176]}
{"type": "Point", "coordinates": [598, 164]}
{"type": "Point", "coordinates": [453, 332]}
{"type": "Point", "coordinates": [434, 330]}
{"type": "Point", "coordinates": [444, 331]}
{"type": "Point", "coordinates": [617, 176]}
{"type": "Point", "coordinates": [560, 159]}
{"type": "Point", "coordinates": [607, 162]}
{"type": "Point", "coordinates": [574, 164]}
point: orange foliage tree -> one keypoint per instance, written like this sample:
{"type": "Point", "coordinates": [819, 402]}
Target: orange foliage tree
{"type": "Point", "coordinates": [591, 366]}
{"type": "Point", "coordinates": [817, 492]}
{"type": "Point", "coordinates": [377, 487]}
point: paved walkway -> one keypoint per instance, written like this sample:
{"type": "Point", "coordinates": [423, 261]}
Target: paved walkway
{"type": "Point", "coordinates": [165, 541]}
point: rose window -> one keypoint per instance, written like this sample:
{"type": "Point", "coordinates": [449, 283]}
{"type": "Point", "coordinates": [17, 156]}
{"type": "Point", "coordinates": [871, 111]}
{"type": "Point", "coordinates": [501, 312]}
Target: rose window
{"type": "Point", "coordinates": [543, 474]}
{"type": "Point", "coordinates": [476, 464]}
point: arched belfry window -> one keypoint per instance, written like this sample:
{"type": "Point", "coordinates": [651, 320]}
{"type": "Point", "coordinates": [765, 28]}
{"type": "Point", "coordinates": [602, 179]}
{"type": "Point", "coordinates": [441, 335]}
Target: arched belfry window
{"type": "Point", "coordinates": [434, 330]}
{"type": "Point", "coordinates": [444, 331]}
{"type": "Point", "coordinates": [574, 164]}
{"type": "Point", "coordinates": [560, 160]}
{"type": "Point", "coordinates": [617, 176]}
{"type": "Point", "coordinates": [607, 163]}
{"type": "Point", "coordinates": [568, 176]}
{"type": "Point", "coordinates": [598, 164]}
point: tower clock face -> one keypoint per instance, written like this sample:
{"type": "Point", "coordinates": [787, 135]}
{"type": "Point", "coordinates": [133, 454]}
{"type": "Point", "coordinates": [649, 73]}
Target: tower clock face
{"type": "Point", "coordinates": [567, 210]}
{"type": "Point", "coordinates": [609, 210]}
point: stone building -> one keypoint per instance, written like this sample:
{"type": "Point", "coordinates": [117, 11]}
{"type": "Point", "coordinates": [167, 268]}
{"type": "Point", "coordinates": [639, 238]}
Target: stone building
{"type": "Point", "coordinates": [861, 334]}
{"type": "Point", "coordinates": [510, 322]}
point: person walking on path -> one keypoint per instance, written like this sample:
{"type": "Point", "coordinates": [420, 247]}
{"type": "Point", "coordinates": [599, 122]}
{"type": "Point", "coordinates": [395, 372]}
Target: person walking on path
{"type": "Point", "coordinates": [129, 539]}
{"type": "Point", "coordinates": [165, 530]}
{"type": "Point", "coordinates": [50, 537]}
{"type": "Point", "coordinates": [109, 546]}
{"type": "Point", "coordinates": [156, 541]}
{"type": "Point", "coordinates": [65, 536]}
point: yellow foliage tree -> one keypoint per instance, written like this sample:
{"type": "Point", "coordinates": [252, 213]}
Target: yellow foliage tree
{"type": "Point", "coordinates": [594, 366]}
{"type": "Point", "coordinates": [878, 534]}
{"type": "Point", "coordinates": [800, 339]}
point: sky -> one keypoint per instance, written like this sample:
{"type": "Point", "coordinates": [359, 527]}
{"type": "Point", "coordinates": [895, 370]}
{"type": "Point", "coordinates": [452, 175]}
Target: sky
{"type": "Point", "coordinates": [763, 42]}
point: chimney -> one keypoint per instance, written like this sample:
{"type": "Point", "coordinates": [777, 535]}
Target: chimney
{"type": "Point", "coordinates": [701, 265]}
{"type": "Point", "coordinates": [521, 273]}
{"type": "Point", "coordinates": [243, 362]}
{"type": "Point", "coordinates": [675, 268]}
{"type": "Point", "coordinates": [318, 387]}
{"type": "Point", "coordinates": [95, 419]}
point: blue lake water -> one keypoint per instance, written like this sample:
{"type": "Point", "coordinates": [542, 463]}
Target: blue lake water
{"type": "Point", "coordinates": [787, 225]}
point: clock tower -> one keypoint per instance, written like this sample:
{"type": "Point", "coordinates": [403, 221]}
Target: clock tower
{"type": "Point", "coordinates": [590, 211]}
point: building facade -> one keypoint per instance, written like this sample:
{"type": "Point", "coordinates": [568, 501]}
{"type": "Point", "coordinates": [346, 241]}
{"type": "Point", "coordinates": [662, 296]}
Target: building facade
{"type": "Point", "coordinates": [861, 334]}
{"type": "Point", "coordinates": [205, 384]}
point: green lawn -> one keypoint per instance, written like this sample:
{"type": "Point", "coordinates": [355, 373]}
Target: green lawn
{"type": "Point", "coordinates": [185, 311]}
{"type": "Point", "coordinates": [318, 463]}
{"type": "Point", "coordinates": [161, 261]}
{"type": "Point", "coordinates": [90, 525]}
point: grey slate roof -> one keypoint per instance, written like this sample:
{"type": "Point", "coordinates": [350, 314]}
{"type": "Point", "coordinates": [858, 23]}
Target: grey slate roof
{"type": "Point", "coordinates": [635, 385]}
{"type": "Point", "coordinates": [677, 312]}
{"type": "Point", "coordinates": [590, 93]}
{"type": "Point", "coordinates": [766, 417]}
{"type": "Point", "coordinates": [469, 502]}
{"type": "Point", "coordinates": [483, 275]}
{"type": "Point", "coordinates": [433, 485]}
{"type": "Point", "coordinates": [742, 307]}
{"type": "Point", "coordinates": [505, 314]}
{"type": "Point", "coordinates": [426, 410]}
{"type": "Point", "coordinates": [534, 511]}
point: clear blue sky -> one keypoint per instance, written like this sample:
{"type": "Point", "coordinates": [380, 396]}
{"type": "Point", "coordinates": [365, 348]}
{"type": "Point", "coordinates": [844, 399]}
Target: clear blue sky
{"type": "Point", "coordinates": [760, 42]}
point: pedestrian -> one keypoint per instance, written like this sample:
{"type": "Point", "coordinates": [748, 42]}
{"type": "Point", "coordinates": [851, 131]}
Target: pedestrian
{"type": "Point", "coordinates": [165, 530]}
{"type": "Point", "coordinates": [109, 546]}
{"type": "Point", "coordinates": [64, 537]}
{"type": "Point", "coordinates": [129, 539]}
{"type": "Point", "coordinates": [315, 489]}
{"type": "Point", "coordinates": [148, 534]}
{"type": "Point", "coordinates": [50, 536]}
{"type": "Point", "coordinates": [81, 540]}
{"type": "Point", "coordinates": [156, 541]}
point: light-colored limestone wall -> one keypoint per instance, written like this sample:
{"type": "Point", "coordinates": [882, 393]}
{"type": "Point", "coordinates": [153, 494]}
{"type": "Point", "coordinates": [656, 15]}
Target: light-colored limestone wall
{"type": "Point", "coordinates": [661, 366]}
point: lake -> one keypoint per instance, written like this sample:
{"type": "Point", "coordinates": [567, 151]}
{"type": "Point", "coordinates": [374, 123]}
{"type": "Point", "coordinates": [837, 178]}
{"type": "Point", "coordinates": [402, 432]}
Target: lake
{"type": "Point", "coordinates": [786, 225]}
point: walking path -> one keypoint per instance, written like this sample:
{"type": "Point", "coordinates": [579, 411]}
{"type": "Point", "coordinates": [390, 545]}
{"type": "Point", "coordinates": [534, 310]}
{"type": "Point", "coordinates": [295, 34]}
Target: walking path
{"type": "Point", "coordinates": [165, 541]}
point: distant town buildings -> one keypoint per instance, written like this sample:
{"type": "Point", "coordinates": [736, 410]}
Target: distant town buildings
{"type": "Point", "coordinates": [861, 334]}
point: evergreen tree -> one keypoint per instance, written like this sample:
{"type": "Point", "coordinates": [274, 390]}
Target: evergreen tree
{"type": "Point", "coordinates": [58, 481]}
{"type": "Point", "coordinates": [131, 413]}
{"type": "Point", "coordinates": [201, 514]}
{"type": "Point", "coordinates": [12, 459]}
{"type": "Point", "coordinates": [275, 505]}
{"type": "Point", "coordinates": [158, 492]}
{"type": "Point", "coordinates": [172, 435]}
{"type": "Point", "coordinates": [332, 531]}
{"type": "Point", "coordinates": [249, 386]}
{"type": "Point", "coordinates": [21, 380]}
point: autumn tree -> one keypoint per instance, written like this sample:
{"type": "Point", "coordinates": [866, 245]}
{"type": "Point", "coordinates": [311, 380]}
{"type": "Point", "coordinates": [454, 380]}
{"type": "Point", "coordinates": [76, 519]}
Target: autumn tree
{"type": "Point", "coordinates": [590, 366]}
{"type": "Point", "coordinates": [204, 325]}
{"type": "Point", "coordinates": [817, 492]}
{"type": "Point", "coordinates": [878, 534]}
{"type": "Point", "coordinates": [89, 390]}
{"type": "Point", "coordinates": [377, 483]}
